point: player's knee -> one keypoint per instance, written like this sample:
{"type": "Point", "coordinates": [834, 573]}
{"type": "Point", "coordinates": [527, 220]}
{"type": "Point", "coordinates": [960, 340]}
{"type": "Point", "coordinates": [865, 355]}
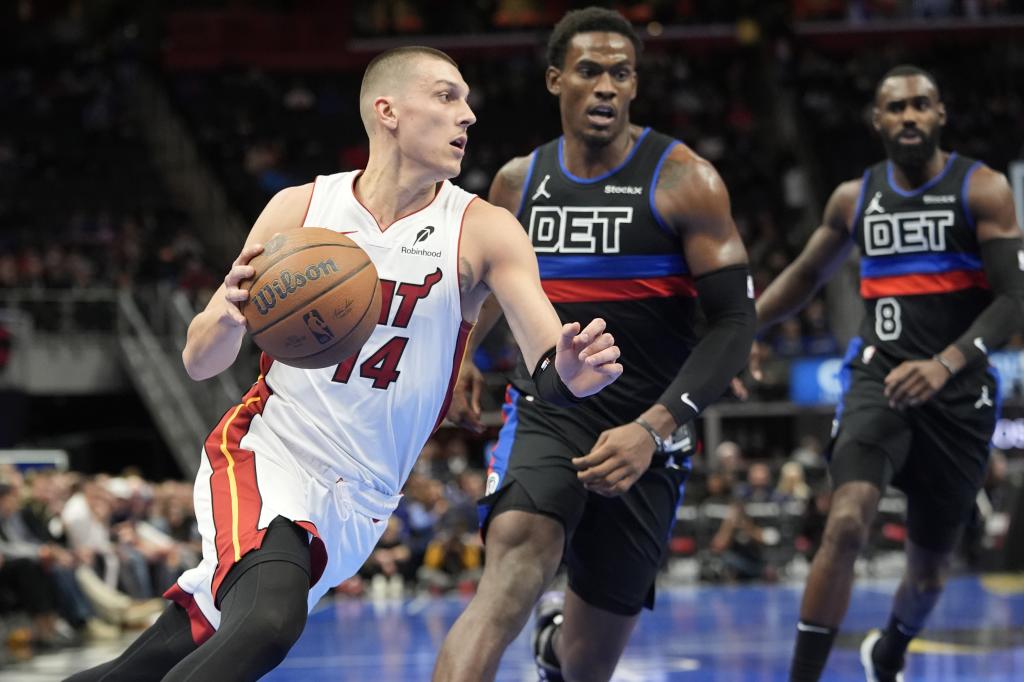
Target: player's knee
{"type": "Point", "coordinates": [277, 629]}
{"type": "Point", "coordinates": [847, 532]}
{"type": "Point", "coordinates": [524, 547]}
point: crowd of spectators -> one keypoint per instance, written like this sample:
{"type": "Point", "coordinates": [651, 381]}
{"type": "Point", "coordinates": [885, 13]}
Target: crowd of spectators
{"type": "Point", "coordinates": [82, 205]}
{"type": "Point", "coordinates": [398, 17]}
{"type": "Point", "coordinates": [83, 557]}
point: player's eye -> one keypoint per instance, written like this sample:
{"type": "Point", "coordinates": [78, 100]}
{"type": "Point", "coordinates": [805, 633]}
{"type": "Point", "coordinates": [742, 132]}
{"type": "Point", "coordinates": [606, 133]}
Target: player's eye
{"type": "Point", "coordinates": [445, 96]}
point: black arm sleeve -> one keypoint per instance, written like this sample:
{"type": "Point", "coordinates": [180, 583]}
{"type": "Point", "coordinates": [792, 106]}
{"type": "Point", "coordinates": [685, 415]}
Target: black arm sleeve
{"type": "Point", "coordinates": [550, 386]}
{"type": "Point", "coordinates": [1004, 268]}
{"type": "Point", "coordinates": [726, 297]}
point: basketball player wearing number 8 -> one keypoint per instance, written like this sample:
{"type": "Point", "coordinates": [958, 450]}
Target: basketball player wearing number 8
{"type": "Point", "coordinates": [297, 481]}
{"type": "Point", "coordinates": [942, 282]}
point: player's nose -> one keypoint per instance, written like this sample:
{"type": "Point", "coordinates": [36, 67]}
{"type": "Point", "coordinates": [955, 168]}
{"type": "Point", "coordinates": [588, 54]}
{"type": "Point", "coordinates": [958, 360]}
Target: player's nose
{"type": "Point", "coordinates": [604, 87]}
{"type": "Point", "coordinates": [467, 117]}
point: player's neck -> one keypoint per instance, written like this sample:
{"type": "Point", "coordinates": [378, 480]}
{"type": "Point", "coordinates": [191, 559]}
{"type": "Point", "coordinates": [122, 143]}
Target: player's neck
{"type": "Point", "coordinates": [391, 191]}
{"type": "Point", "coordinates": [585, 160]}
{"type": "Point", "coordinates": [910, 178]}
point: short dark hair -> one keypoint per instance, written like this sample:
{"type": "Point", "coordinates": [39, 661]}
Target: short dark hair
{"type": "Point", "coordinates": [588, 20]}
{"type": "Point", "coordinates": [907, 70]}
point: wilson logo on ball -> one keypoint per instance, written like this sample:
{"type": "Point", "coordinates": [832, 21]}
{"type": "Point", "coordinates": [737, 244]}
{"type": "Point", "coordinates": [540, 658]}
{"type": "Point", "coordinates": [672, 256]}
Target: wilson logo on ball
{"type": "Point", "coordinates": [288, 283]}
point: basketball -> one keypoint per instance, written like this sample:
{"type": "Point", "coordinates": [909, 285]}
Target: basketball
{"type": "Point", "coordinates": [314, 299]}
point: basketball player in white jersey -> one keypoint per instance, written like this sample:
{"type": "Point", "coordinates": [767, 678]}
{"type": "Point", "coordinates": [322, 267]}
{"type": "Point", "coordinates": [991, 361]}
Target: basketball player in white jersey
{"type": "Point", "coordinates": [297, 480]}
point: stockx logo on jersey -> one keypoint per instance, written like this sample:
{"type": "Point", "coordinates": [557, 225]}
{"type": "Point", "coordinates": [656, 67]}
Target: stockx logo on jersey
{"type": "Point", "coordinates": [422, 236]}
{"type": "Point", "coordinates": [577, 229]}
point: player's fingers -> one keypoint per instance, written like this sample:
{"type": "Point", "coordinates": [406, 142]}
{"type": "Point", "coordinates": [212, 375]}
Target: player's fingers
{"type": "Point", "coordinates": [601, 471]}
{"type": "Point", "coordinates": [238, 273]}
{"type": "Point", "coordinates": [248, 253]}
{"type": "Point", "coordinates": [604, 474]}
{"type": "Point", "coordinates": [595, 328]}
{"type": "Point", "coordinates": [236, 315]}
{"type": "Point", "coordinates": [599, 453]}
{"type": "Point", "coordinates": [609, 369]}
{"type": "Point", "coordinates": [739, 389]}
{"type": "Point", "coordinates": [597, 345]}
{"type": "Point", "coordinates": [236, 295]}
{"type": "Point", "coordinates": [603, 357]}
{"type": "Point", "coordinates": [569, 332]}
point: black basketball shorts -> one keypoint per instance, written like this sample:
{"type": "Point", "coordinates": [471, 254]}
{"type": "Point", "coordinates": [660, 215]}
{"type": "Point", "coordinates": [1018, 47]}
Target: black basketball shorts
{"type": "Point", "coordinates": [936, 452]}
{"type": "Point", "coordinates": [614, 546]}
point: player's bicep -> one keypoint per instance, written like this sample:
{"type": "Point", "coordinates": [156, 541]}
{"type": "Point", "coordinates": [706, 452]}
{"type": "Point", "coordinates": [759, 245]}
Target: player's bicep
{"type": "Point", "coordinates": [511, 273]}
{"type": "Point", "coordinates": [693, 198]}
{"type": "Point", "coordinates": [990, 201]}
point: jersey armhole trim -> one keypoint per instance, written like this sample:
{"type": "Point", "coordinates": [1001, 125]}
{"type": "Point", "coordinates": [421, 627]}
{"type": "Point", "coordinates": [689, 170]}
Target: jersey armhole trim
{"type": "Point", "coordinates": [662, 223]}
{"type": "Point", "coordinates": [458, 257]}
{"type": "Point", "coordinates": [526, 183]}
{"type": "Point", "coordinates": [860, 202]}
{"type": "Point", "coordinates": [963, 195]}
{"type": "Point", "coordinates": [309, 203]}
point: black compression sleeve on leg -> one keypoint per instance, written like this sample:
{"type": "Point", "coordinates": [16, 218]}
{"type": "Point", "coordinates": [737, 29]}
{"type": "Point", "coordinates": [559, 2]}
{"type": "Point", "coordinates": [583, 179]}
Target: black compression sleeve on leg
{"type": "Point", "coordinates": [262, 615]}
{"type": "Point", "coordinates": [1004, 269]}
{"type": "Point", "coordinates": [727, 298]}
{"type": "Point", "coordinates": [151, 655]}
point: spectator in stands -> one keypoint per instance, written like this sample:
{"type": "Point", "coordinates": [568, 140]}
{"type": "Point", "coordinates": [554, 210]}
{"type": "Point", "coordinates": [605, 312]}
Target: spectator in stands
{"type": "Point", "coordinates": [792, 485]}
{"type": "Point", "coordinates": [389, 566]}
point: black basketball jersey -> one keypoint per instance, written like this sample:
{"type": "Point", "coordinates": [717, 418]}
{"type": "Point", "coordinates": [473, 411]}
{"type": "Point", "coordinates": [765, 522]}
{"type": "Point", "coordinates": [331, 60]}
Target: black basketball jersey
{"type": "Point", "coordinates": [604, 251]}
{"type": "Point", "coordinates": [921, 275]}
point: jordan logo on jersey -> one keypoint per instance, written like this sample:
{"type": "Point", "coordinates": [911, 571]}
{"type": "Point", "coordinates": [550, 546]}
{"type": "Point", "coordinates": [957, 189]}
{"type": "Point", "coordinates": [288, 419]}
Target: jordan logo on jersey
{"type": "Point", "coordinates": [541, 191]}
{"type": "Point", "coordinates": [577, 229]}
{"type": "Point", "coordinates": [906, 232]}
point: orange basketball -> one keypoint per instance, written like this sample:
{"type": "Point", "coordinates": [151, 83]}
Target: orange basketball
{"type": "Point", "coordinates": [314, 300]}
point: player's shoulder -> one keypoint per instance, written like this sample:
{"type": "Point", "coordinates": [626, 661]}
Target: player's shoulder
{"type": "Point", "coordinates": [985, 179]}
{"type": "Point", "coordinates": [507, 186]}
{"type": "Point", "coordinates": [684, 170]}
{"type": "Point", "coordinates": [482, 214]}
{"type": "Point", "coordinates": [292, 197]}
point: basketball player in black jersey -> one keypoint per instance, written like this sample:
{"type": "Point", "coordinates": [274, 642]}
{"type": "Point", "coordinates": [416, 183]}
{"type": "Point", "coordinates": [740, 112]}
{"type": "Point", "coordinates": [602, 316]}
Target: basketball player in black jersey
{"type": "Point", "coordinates": [942, 283]}
{"type": "Point", "coordinates": [628, 222]}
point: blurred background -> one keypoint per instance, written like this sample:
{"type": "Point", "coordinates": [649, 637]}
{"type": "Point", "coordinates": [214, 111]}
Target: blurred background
{"type": "Point", "coordinates": [140, 139]}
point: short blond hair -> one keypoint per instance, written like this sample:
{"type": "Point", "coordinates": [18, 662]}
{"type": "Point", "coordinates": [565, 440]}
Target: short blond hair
{"type": "Point", "coordinates": [387, 70]}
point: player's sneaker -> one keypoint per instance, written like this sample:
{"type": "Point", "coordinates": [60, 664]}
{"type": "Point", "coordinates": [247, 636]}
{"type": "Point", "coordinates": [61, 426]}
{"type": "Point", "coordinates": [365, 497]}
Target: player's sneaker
{"type": "Point", "coordinates": [873, 673]}
{"type": "Point", "coordinates": [547, 617]}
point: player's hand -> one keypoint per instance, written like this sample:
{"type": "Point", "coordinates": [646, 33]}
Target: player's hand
{"type": "Point", "coordinates": [914, 382]}
{"type": "Point", "coordinates": [586, 360]}
{"type": "Point", "coordinates": [465, 410]}
{"type": "Point", "coordinates": [619, 457]}
{"type": "Point", "coordinates": [757, 353]}
{"type": "Point", "coordinates": [239, 272]}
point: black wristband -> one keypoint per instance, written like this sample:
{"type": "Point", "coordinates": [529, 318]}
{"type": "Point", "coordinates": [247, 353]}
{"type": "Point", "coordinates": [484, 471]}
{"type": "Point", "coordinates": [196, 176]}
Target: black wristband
{"type": "Point", "coordinates": [550, 386]}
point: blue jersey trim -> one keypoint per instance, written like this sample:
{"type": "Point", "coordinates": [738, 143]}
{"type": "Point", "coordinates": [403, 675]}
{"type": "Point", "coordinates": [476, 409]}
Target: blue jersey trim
{"type": "Point", "coordinates": [924, 263]}
{"type": "Point", "coordinates": [526, 183]}
{"type": "Point", "coordinates": [611, 267]}
{"type": "Point", "coordinates": [860, 202]}
{"type": "Point", "coordinates": [502, 451]}
{"type": "Point", "coordinates": [963, 194]}
{"type": "Point", "coordinates": [599, 178]}
{"type": "Point", "coordinates": [845, 379]}
{"type": "Point", "coordinates": [654, 183]}
{"type": "Point", "coordinates": [926, 186]}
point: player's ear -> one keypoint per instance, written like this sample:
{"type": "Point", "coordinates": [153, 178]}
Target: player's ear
{"type": "Point", "coordinates": [876, 118]}
{"type": "Point", "coordinates": [552, 77]}
{"type": "Point", "coordinates": [941, 108]}
{"type": "Point", "coordinates": [384, 108]}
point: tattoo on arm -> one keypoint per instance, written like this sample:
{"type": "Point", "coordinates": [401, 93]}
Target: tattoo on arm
{"type": "Point", "coordinates": [465, 275]}
{"type": "Point", "coordinates": [672, 174]}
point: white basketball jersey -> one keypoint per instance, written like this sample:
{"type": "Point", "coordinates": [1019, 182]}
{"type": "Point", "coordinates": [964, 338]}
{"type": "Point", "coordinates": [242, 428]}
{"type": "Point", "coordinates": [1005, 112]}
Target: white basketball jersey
{"type": "Point", "coordinates": [369, 417]}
